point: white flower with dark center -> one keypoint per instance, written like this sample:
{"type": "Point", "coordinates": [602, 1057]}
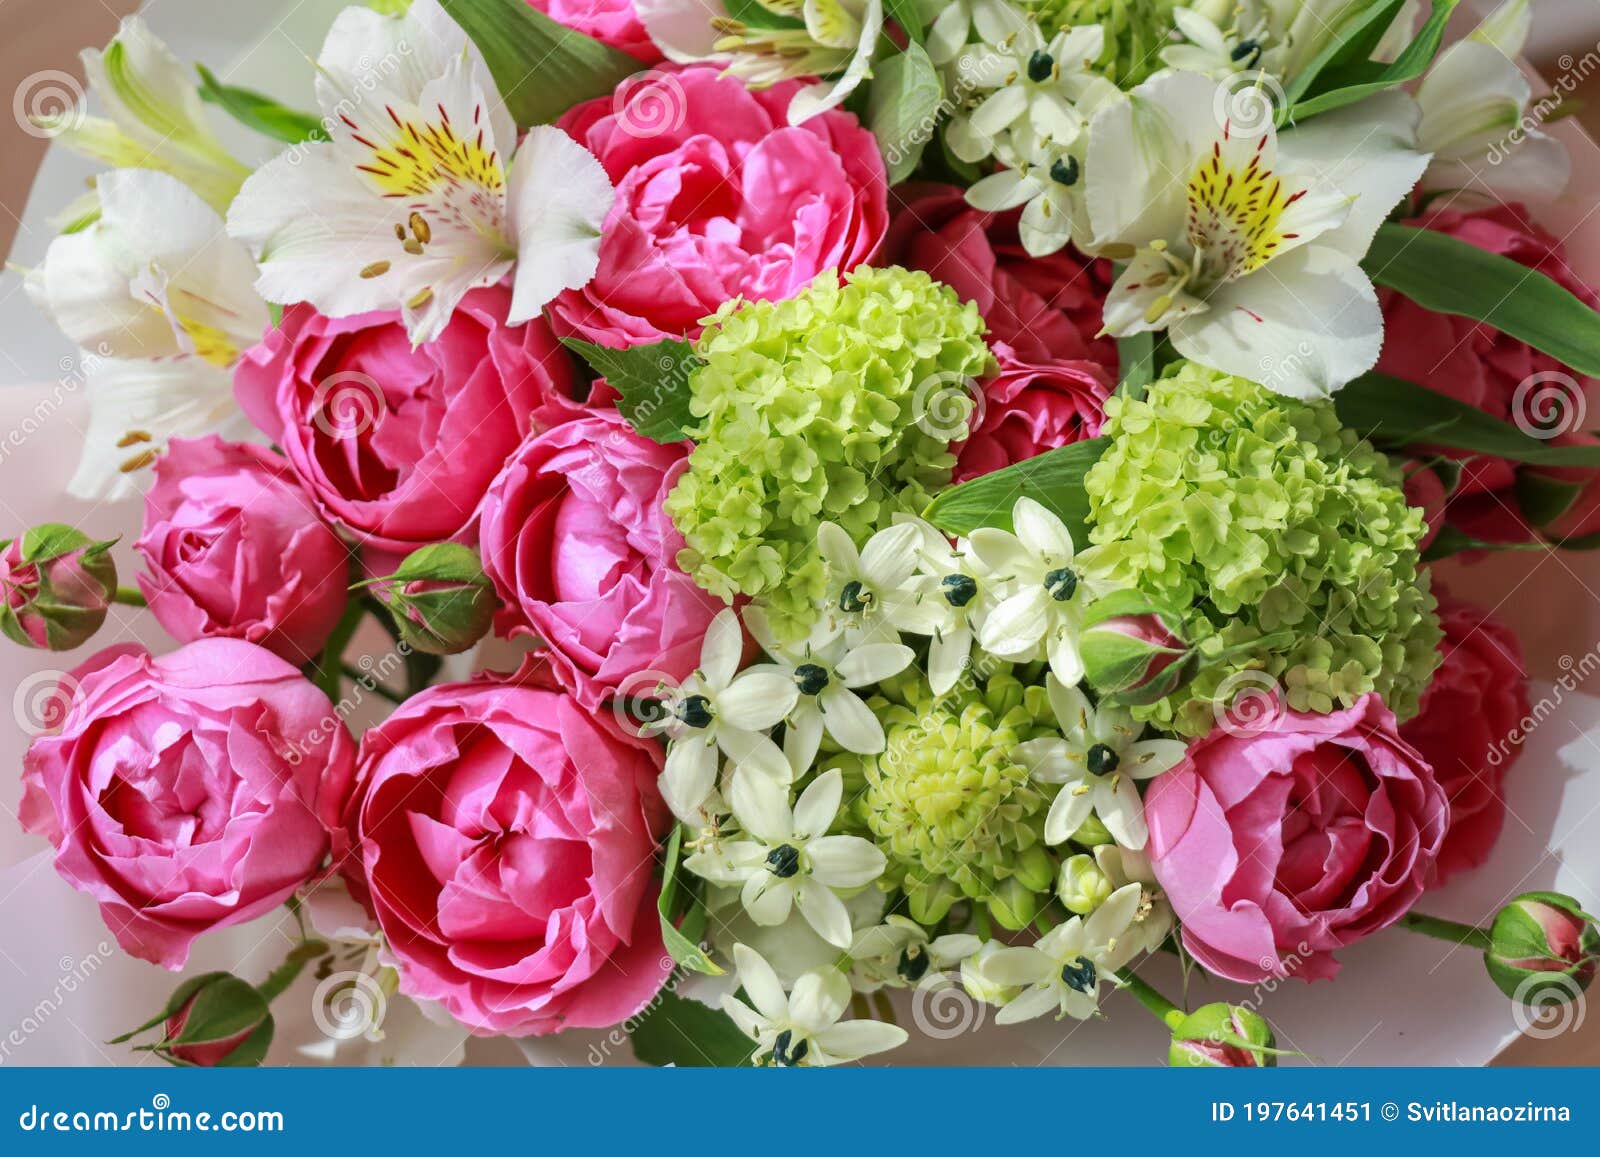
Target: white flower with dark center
{"type": "Point", "coordinates": [1243, 245]}
{"type": "Point", "coordinates": [828, 672]}
{"type": "Point", "coordinates": [1023, 82]}
{"type": "Point", "coordinates": [1043, 590]}
{"type": "Point", "coordinates": [958, 593]}
{"type": "Point", "coordinates": [872, 594]}
{"type": "Point", "coordinates": [802, 1027]}
{"type": "Point", "coordinates": [1219, 39]}
{"type": "Point", "coordinates": [1062, 972]}
{"type": "Point", "coordinates": [956, 22]}
{"type": "Point", "coordinates": [787, 859]}
{"type": "Point", "coordinates": [1152, 919]}
{"type": "Point", "coordinates": [423, 193]}
{"type": "Point", "coordinates": [1098, 762]}
{"type": "Point", "coordinates": [900, 953]}
{"type": "Point", "coordinates": [720, 707]}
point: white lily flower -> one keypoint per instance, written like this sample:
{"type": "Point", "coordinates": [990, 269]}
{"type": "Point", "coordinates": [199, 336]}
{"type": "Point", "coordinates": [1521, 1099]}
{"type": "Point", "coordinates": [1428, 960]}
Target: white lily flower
{"type": "Point", "coordinates": [788, 861]}
{"type": "Point", "coordinates": [1098, 762]}
{"type": "Point", "coordinates": [1475, 119]}
{"type": "Point", "coordinates": [953, 24]}
{"type": "Point", "coordinates": [1245, 247]}
{"type": "Point", "coordinates": [1024, 82]}
{"type": "Point", "coordinates": [418, 197]}
{"type": "Point", "coordinates": [900, 953]}
{"type": "Point", "coordinates": [803, 1028]}
{"type": "Point", "coordinates": [720, 707]}
{"type": "Point", "coordinates": [156, 118]}
{"type": "Point", "coordinates": [1062, 972]}
{"type": "Point", "coordinates": [827, 670]}
{"type": "Point", "coordinates": [872, 594]}
{"type": "Point", "coordinates": [1153, 919]}
{"type": "Point", "coordinates": [794, 39]}
{"type": "Point", "coordinates": [1043, 592]}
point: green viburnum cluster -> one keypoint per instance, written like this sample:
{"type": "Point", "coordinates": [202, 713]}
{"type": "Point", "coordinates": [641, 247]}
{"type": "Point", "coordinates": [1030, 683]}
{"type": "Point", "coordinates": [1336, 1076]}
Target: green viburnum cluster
{"type": "Point", "coordinates": [948, 804]}
{"type": "Point", "coordinates": [1135, 31]}
{"type": "Point", "coordinates": [1277, 527]}
{"type": "Point", "coordinates": [807, 412]}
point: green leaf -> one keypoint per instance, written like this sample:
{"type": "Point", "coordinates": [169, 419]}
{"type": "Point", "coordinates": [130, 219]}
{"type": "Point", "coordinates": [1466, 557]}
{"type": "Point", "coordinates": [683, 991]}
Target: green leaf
{"type": "Point", "coordinates": [541, 68]}
{"type": "Point", "coordinates": [1136, 355]}
{"type": "Point", "coordinates": [653, 381]}
{"type": "Point", "coordinates": [223, 1008]}
{"type": "Point", "coordinates": [903, 108]}
{"type": "Point", "coordinates": [906, 14]}
{"type": "Point", "coordinates": [1354, 44]}
{"type": "Point", "coordinates": [1447, 275]}
{"type": "Point", "coordinates": [260, 113]}
{"type": "Point", "coordinates": [1401, 413]}
{"type": "Point", "coordinates": [677, 1031]}
{"type": "Point", "coordinates": [682, 933]}
{"type": "Point", "coordinates": [1453, 540]}
{"type": "Point", "coordinates": [1054, 478]}
{"type": "Point", "coordinates": [251, 1051]}
{"type": "Point", "coordinates": [179, 996]}
{"type": "Point", "coordinates": [754, 14]}
{"type": "Point", "coordinates": [1543, 499]}
{"type": "Point", "coordinates": [1362, 80]}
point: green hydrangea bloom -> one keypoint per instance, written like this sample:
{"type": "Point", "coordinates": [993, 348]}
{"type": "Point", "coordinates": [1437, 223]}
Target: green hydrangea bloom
{"type": "Point", "coordinates": [1270, 519]}
{"type": "Point", "coordinates": [808, 411]}
{"type": "Point", "coordinates": [954, 813]}
{"type": "Point", "coordinates": [1136, 31]}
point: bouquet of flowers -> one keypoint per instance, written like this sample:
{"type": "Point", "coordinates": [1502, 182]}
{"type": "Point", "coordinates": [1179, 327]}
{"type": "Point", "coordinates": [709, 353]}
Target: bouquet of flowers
{"type": "Point", "coordinates": [861, 495]}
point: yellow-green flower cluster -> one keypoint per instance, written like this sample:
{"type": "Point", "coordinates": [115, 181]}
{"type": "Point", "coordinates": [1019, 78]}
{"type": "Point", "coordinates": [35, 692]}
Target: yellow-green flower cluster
{"type": "Point", "coordinates": [834, 406]}
{"type": "Point", "coordinates": [1135, 30]}
{"type": "Point", "coordinates": [953, 811]}
{"type": "Point", "coordinates": [1278, 527]}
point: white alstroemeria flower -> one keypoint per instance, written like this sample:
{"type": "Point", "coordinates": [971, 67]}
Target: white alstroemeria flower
{"type": "Point", "coordinates": [873, 593]}
{"type": "Point", "coordinates": [418, 197]}
{"type": "Point", "coordinates": [827, 669]}
{"type": "Point", "coordinates": [156, 118]}
{"type": "Point", "coordinates": [1062, 972]}
{"type": "Point", "coordinates": [1098, 761]}
{"type": "Point", "coordinates": [718, 706]}
{"type": "Point", "coordinates": [1152, 919]}
{"type": "Point", "coordinates": [1475, 118]}
{"type": "Point", "coordinates": [1023, 82]}
{"type": "Point", "coordinates": [1246, 247]}
{"type": "Point", "coordinates": [788, 860]}
{"type": "Point", "coordinates": [1043, 592]}
{"type": "Point", "coordinates": [827, 38]}
{"type": "Point", "coordinates": [803, 1028]}
{"type": "Point", "coordinates": [952, 24]}
{"type": "Point", "coordinates": [899, 953]}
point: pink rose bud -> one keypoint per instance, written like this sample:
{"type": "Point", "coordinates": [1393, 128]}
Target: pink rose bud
{"type": "Point", "coordinates": [211, 1021]}
{"type": "Point", "coordinates": [441, 600]}
{"type": "Point", "coordinates": [1222, 1036]}
{"type": "Point", "coordinates": [56, 583]}
{"type": "Point", "coordinates": [1133, 649]}
{"type": "Point", "coordinates": [1542, 948]}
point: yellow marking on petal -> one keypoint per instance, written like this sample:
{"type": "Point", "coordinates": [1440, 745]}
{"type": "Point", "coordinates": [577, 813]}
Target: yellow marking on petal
{"type": "Point", "coordinates": [210, 344]}
{"type": "Point", "coordinates": [424, 156]}
{"type": "Point", "coordinates": [1235, 216]}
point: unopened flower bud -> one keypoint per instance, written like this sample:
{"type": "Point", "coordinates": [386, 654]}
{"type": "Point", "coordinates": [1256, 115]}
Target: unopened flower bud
{"type": "Point", "coordinates": [1542, 947]}
{"type": "Point", "coordinates": [1012, 905]}
{"type": "Point", "coordinates": [976, 980]}
{"type": "Point", "coordinates": [1092, 833]}
{"type": "Point", "coordinates": [1222, 1036]}
{"type": "Point", "coordinates": [441, 600]}
{"type": "Point", "coordinates": [214, 1020]}
{"type": "Point", "coordinates": [55, 583]}
{"type": "Point", "coordinates": [1133, 649]}
{"type": "Point", "coordinates": [1083, 887]}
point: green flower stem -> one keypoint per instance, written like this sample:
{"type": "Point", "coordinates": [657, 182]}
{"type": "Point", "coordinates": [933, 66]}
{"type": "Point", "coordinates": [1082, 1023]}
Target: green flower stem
{"type": "Point", "coordinates": [1463, 935]}
{"type": "Point", "coordinates": [1159, 1006]}
{"type": "Point", "coordinates": [129, 597]}
{"type": "Point", "coordinates": [365, 679]}
{"type": "Point", "coordinates": [328, 664]}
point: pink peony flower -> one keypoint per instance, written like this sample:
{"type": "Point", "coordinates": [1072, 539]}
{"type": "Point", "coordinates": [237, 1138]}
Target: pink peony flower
{"type": "Point", "coordinates": [507, 837]}
{"type": "Point", "coordinates": [1284, 839]}
{"type": "Point", "coordinates": [188, 792]}
{"type": "Point", "coordinates": [398, 444]}
{"type": "Point", "coordinates": [1468, 716]}
{"type": "Point", "coordinates": [1478, 365]}
{"type": "Point", "coordinates": [1028, 409]}
{"type": "Point", "coordinates": [236, 549]}
{"type": "Point", "coordinates": [582, 556]}
{"type": "Point", "coordinates": [612, 22]}
{"type": "Point", "coordinates": [1046, 309]}
{"type": "Point", "coordinates": [717, 197]}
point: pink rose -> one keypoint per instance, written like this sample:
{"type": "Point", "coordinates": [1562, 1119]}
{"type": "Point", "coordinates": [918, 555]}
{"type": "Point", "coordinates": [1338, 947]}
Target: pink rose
{"type": "Point", "coordinates": [1468, 715]}
{"type": "Point", "coordinates": [1476, 364]}
{"type": "Point", "coordinates": [236, 549]}
{"type": "Point", "coordinates": [718, 197]}
{"type": "Point", "coordinates": [582, 555]}
{"type": "Point", "coordinates": [398, 444]}
{"type": "Point", "coordinates": [1284, 840]}
{"type": "Point", "coordinates": [507, 837]}
{"type": "Point", "coordinates": [188, 792]}
{"type": "Point", "coordinates": [1046, 309]}
{"type": "Point", "coordinates": [1425, 490]}
{"type": "Point", "coordinates": [1028, 409]}
{"type": "Point", "coordinates": [612, 22]}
